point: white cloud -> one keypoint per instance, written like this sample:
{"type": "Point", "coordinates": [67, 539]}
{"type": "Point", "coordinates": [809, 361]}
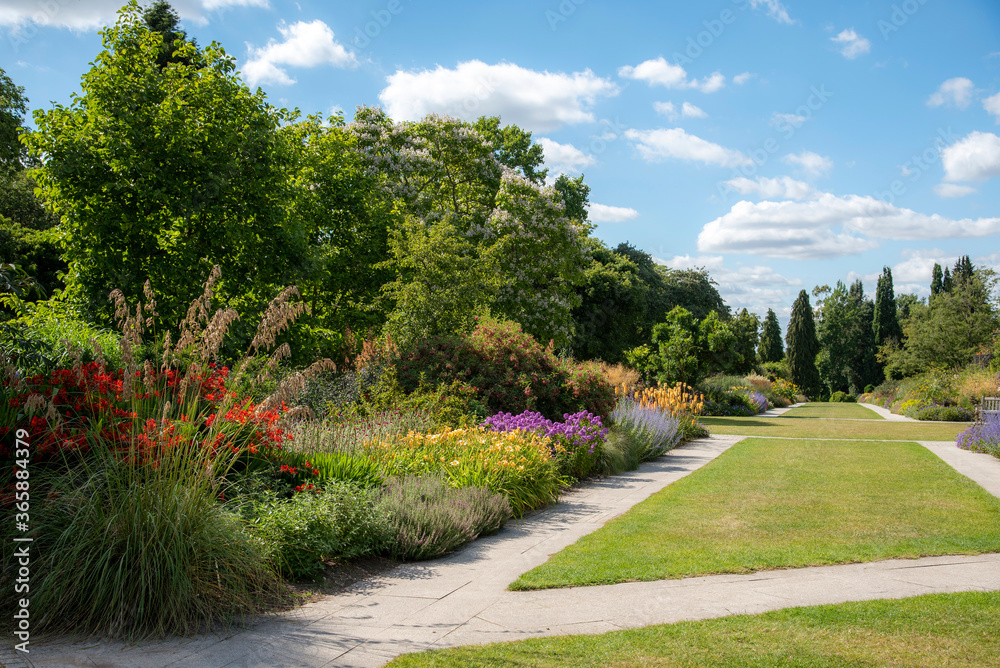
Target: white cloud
{"type": "Point", "coordinates": [975, 157]}
{"type": "Point", "coordinates": [602, 213]}
{"type": "Point", "coordinates": [691, 111]}
{"type": "Point", "coordinates": [775, 10]}
{"type": "Point", "coordinates": [953, 190]}
{"type": "Point", "coordinates": [784, 120]}
{"type": "Point", "coordinates": [755, 288]}
{"type": "Point", "coordinates": [955, 92]}
{"type": "Point", "coordinates": [657, 145]}
{"type": "Point", "coordinates": [660, 72]}
{"type": "Point", "coordinates": [666, 109]}
{"type": "Point", "coordinates": [828, 226]}
{"type": "Point", "coordinates": [783, 187]}
{"type": "Point", "coordinates": [564, 157]}
{"type": "Point", "coordinates": [919, 265]}
{"type": "Point", "coordinates": [94, 14]}
{"type": "Point", "coordinates": [536, 101]}
{"type": "Point", "coordinates": [741, 79]}
{"type": "Point", "coordinates": [992, 105]}
{"type": "Point", "coordinates": [851, 44]}
{"type": "Point", "coordinates": [306, 45]}
{"type": "Point", "coordinates": [814, 164]}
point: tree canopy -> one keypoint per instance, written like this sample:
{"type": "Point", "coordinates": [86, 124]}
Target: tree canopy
{"type": "Point", "coordinates": [803, 346]}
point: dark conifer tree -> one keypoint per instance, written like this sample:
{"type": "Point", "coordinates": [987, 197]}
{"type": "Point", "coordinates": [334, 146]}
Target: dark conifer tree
{"type": "Point", "coordinates": [886, 322]}
{"type": "Point", "coordinates": [771, 349]}
{"type": "Point", "coordinates": [946, 282]}
{"type": "Point", "coordinates": [864, 368]}
{"type": "Point", "coordinates": [803, 346]}
{"type": "Point", "coordinates": [937, 280]}
{"type": "Point", "coordinates": [162, 18]}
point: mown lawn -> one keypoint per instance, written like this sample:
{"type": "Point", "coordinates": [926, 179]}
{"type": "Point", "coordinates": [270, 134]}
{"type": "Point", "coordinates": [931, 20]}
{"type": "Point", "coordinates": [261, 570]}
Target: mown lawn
{"type": "Point", "coordinates": [779, 503]}
{"type": "Point", "coordinates": [935, 631]}
{"type": "Point", "coordinates": [845, 429]}
{"type": "Point", "coordinates": [833, 410]}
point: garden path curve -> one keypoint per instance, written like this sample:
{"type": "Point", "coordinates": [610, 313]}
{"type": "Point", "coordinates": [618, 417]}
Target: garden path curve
{"type": "Point", "coordinates": [462, 599]}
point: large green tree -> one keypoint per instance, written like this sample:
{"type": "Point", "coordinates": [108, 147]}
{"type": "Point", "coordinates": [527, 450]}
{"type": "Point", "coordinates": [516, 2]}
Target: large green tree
{"type": "Point", "coordinates": [771, 348]}
{"type": "Point", "coordinates": [13, 106]}
{"type": "Point", "coordinates": [803, 346]}
{"type": "Point", "coordinates": [515, 250]}
{"type": "Point", "coordinates": [951, 329]}
{"type": "Point", "coordinates": [161, 173]}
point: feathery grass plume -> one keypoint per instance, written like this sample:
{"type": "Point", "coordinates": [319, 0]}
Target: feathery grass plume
{"type": "Point", "coordinates": [278, 317]}
{"type": "Point", "coordinates": [293, 384]}
{"type": "Point", "coordinates": [197, 313]}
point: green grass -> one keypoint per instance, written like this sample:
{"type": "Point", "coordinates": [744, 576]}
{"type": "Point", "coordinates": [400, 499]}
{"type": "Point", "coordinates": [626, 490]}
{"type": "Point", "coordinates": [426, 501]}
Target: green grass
{"type": "Point", "coordinates": [777, 503]}
{"type": "Point", "coordinates": [845, 429]}
{"type": "Point", "coordinates": [834, 410]}
{"type": "Point", "coordinates": [936, 631]}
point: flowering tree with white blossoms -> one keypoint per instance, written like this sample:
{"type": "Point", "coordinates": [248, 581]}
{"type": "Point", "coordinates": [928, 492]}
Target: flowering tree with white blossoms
{"type": "Point", "coordinates": [478, 237]}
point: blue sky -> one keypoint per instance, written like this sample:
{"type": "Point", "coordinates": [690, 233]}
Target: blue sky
{"type": "Point", "coordinates": [779, 144]}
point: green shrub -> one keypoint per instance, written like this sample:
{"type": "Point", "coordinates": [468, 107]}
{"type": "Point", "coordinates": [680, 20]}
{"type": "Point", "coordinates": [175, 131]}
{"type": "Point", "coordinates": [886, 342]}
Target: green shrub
{"type": "Point", "coordinates": [127, 550]}
{"type": "Point", "coordinates": [622, 452]}
{"type": "Point", "coordinates": [843, 398]}
{"type": "Point", "coordinates": [428, 518]}
{"type": "Point", "coordinates": [50, 334]}
{"type": "Point", "coordinates": [869, 389]}
{"type": "Point", "coordinates": [298, 534]}
{"type": "Point", "coordinates": [509, 372]}
{"type": "Point", "coordinates": [943, 414]}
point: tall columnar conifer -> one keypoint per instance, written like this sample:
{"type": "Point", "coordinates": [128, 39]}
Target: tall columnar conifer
{"type": "Point", "coordinates": [937, 280]}
{"type": "Point", "coordinates": [886, 323]}
{"type": "Point", "coordinates": [771, 348]}
{"type": "Point", "coordinates": [803, 346]}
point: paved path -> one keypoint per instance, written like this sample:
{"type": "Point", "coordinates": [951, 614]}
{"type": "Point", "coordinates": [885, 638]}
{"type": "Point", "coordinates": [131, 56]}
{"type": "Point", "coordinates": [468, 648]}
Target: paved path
{"type": "Point", "coordinates": [888, 414]}
{"type": "Point", "coordinates": [462, 599]}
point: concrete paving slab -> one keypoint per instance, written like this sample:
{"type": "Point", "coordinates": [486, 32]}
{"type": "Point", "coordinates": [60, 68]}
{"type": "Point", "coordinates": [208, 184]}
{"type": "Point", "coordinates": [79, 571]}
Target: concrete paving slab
{"type": "Point", "coordinates": [887, 414]}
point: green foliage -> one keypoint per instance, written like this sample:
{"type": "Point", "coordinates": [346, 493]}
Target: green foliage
{"type": "Point", "coordinates": [575, 194]}
{"type": "Point", "coordinates": [13, 106]}
{"type": "Point", "coordinates": [125, 550]}
{"type": "Point", "coordinates": [346, 216]}
{"type": "Point", "coordinates": [514, 149]}
{"type": "Point", "coordinates": [508, 370]}
{"type": "Point", "coordinates": [427, 518]}
{"type": "Point", "coordinates": [771, 348]}
{"type": "Point", "coordinates": [299, 534]}
{"type": "Point", "coordinates": [50, 334]}
{"type": "Point", "coordinates": [950, 331]}
{"type": "Point", "coordinates": [944, 414]}
{"type": "Point", "coordinates": [336, 465]}
{"type": "Point", "coordinates": [886, 322]}
{"type": "Point", "coordinates": [478, 237]}
{"type": "Point", "coordinates": [693, 289]}
{"type": "Point", "coordinates": [803, 346]}
{"type": "Point", "coordinates": [843, 398]}
{"type": "Point", "coordinates": [164, 173]}
{"type": "Point", "coordinates": [846, 361]}
{"type": "Point", "coordinates": [614, 309]}
{"type": "Point", "coordinates": [684, 350]}
{"type": "Point", "coordinates": [161, 18]}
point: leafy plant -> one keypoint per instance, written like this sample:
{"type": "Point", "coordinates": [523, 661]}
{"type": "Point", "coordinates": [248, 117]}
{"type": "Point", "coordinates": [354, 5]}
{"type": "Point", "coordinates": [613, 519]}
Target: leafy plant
{"type": "Point", "coordinates": [340, 521]}
{"type": "Point", "coordinates": [428, 518]}
{"type": "Point", "coordinates": [654, 430]}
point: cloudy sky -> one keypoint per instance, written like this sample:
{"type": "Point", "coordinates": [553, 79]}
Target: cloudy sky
{"type": "Point", "coordinates": [781, 144]}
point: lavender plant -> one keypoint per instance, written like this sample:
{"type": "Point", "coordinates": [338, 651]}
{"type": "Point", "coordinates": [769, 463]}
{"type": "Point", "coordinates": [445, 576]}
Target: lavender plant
{"type": "Point", "coordinates": [983, 437]}
{"type": "Point", "coordinates": [654, 430]}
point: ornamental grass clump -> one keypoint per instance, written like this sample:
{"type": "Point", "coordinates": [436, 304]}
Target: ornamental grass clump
{"type": "Point", "coordinates": [575, 443]}
{"type": "Point", "coordinates": [131, 467]}
{"type": "Point", "coordinates": [516, 464]}
{"type": "Point", "coordinates": [123, 548]}
{"type": "Point", "coordinates": [653, 430]}
{"type": "Point", "coordinates": [428, 518]}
